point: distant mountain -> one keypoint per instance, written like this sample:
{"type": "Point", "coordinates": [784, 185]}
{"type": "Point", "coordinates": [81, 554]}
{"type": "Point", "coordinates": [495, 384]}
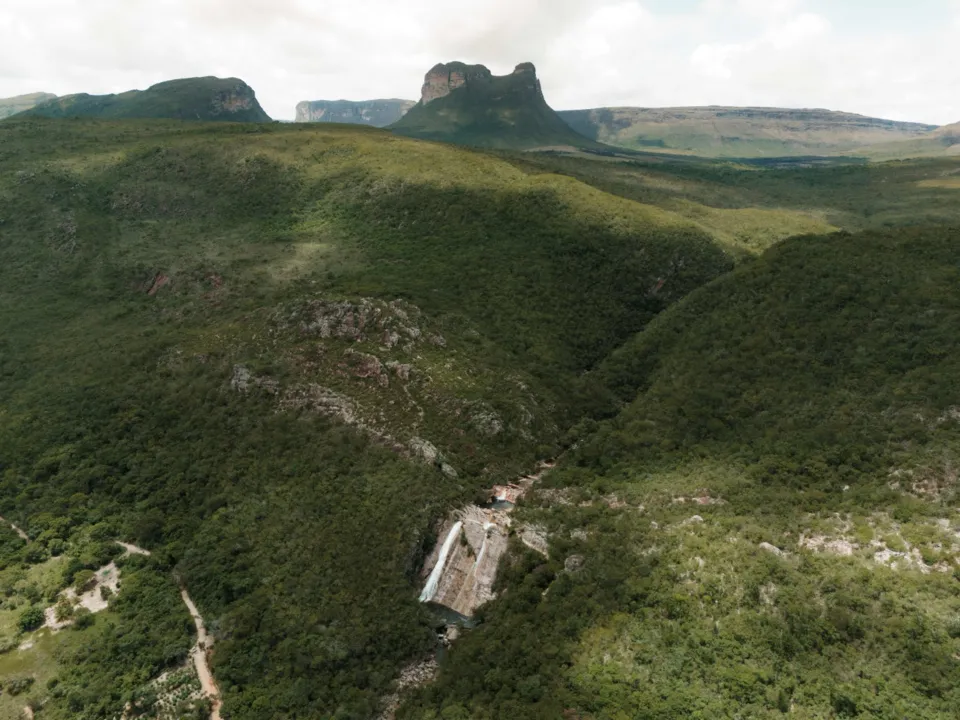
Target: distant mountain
{"type": "Point", "coordinates": [206, 98]}
{"type": "Point", "coordinates": [942, 142]}
{"type": "Point", "coordinates": [469, 105]}
{"type": "Point", "coordinates": [13, 105]}
{"type": "Point", "coordinates": [739, 132]}
{"type": "Point", "coordinates": [949, 131]}
{"type": "Point", "coordinates": [376, 113]}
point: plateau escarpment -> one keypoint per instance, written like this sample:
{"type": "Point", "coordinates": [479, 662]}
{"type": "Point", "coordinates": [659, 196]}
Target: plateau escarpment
{"type": "Point", "coordinates": [468, 104]}
{"type": "Point", "coordinates": [376, 113]}
{"type": "Point", "coordinates": [206, 98]}
{"type": "Point", "coordinates": [739, 131]}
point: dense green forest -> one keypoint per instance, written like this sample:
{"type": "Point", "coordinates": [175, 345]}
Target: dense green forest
{"type": "Point", "coordinates": [770, 524]}
{"type": "Point", "coordinates": [276, 356]}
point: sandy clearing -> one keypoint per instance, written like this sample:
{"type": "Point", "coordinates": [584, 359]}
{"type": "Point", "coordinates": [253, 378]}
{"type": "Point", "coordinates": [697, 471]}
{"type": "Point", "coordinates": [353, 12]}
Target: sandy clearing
{"type": "Point", "coordinates": [108, 576]}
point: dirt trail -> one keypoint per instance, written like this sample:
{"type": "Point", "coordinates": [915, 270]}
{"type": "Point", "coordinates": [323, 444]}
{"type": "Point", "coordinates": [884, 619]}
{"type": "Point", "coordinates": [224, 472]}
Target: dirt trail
{"type": "Point", "coordinates": [133, 549]}
{"type": "Point", "coordinates": [199, 651]}
{"type": "Point", "coordinates": [199, 655]}
{"type": "Point", "coordinates": [17, 530]}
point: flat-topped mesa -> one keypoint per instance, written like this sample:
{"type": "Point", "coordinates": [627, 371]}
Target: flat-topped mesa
{"type": "Point", "coordinates": [469, 105]}
{"type": "Point", "coordinates": [444, 78]}
{"type": "Point", "coordinates": [376, 113]}
{"type": "Point", "coordinates": [203, 98]}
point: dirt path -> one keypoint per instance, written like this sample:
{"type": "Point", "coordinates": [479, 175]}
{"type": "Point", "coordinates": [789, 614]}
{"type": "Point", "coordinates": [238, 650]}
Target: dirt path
{"type": "Point", "coordinates": [133, 549]}
{"type": "Point", "coordinates": [199, 651]}
{"type": "Point", "coordinates": [199, 655]}
{"type": "Point", "coordinates": [17, 530]}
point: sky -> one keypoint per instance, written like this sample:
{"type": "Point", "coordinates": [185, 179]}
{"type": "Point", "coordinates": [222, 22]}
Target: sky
{"type": "Point", "coordinates": [898, 59]}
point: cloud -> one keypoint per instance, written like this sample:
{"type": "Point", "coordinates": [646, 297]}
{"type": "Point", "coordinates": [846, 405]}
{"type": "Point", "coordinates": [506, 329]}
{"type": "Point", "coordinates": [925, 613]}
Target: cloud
{"type": "Point", "coordinates": [588, 52]}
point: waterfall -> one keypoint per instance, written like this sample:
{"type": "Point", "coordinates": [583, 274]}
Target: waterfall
{"type": "Point", "coordinates": [483, 548]}
{"type": "Point", "coordinates": [430, 589]}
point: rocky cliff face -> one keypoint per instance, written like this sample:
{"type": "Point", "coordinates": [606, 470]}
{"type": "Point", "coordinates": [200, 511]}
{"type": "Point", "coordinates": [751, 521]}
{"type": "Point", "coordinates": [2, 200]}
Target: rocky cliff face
{"type": "Point", "coordinates": [444, 78]}
{"type": "Point", "coordinates": [461, 570]}
{"type": "Point", "coordinates": [236, 99]}
{"type": "Point", "coordinates": [375, 113]}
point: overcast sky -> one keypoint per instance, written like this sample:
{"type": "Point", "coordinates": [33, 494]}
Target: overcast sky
{"type": "Point", "coordinates": [890, 58]}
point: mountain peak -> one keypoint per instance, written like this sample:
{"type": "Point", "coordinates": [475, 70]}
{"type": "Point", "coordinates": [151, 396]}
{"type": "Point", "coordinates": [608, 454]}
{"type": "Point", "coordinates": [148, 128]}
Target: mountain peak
{"type": "Point", "coordinates": [470, 105]}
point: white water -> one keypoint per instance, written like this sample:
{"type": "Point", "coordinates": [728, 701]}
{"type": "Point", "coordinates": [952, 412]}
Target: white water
{"type": "Point", "coordinates": [430, 589]}
{"type": "Point", "coordinates": [483, 550]}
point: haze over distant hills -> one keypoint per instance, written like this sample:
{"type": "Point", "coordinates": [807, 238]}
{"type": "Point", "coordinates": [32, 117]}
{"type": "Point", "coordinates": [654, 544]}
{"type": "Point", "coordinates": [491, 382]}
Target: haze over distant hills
{"type": "Point", "coordinates": [206, 98]}
{"type": "Point", "coordinates": [376, 113]}
{"type": "Point", "coordinates": [13, 105]}
{"type": "Point", "coordinates": [942, 142]}
{"type": "Point", "coordinates": [739, 131]}
{"type": "Point", "coordinates": [469, 105]}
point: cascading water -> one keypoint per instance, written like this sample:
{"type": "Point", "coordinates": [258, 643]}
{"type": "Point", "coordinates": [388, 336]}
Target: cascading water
{"type": "Point", "coordinates": [430, 589]}
{"type": "Point", "coordinates": [483, 548]}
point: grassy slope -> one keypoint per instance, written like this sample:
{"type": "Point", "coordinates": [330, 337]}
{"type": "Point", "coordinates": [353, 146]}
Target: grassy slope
{"type": "Point", "coordinates": [299, 537]}
{"type": "Point", "coordinates": [185, 99]}
{"type": "Point", "coordinates": [13, 105]}
{"type": "Point", "coordinates": [739, 132]}
{"type": "Point", "coordinates": [752, 206]}
{"type": "Point", "coordinates": [812, 394]}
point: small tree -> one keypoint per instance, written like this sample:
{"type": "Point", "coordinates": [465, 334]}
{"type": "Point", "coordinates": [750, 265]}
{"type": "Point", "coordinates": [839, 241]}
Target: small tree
{"type": "Point", "coordinates": [64, 610]}
{"type": "Point", "coordinates": [31, 619]}
{"type": "Point", "coordinates": [84, 619]}
{"type": "Point", "coordinates": [105, 593]}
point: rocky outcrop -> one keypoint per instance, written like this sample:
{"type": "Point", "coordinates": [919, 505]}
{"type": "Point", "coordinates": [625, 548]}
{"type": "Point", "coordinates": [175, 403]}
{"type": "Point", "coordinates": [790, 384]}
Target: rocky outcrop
{"type": "Point", "coordinates": [472, 558]}
{"type": "Point", "coordinates": [444, 78]}
{"type": "Point", "coordinates": [391, 324]}
{"type": "Point", "coordinates": [375, 113]}
{"type": "Point", "coordinates": [460, 572]}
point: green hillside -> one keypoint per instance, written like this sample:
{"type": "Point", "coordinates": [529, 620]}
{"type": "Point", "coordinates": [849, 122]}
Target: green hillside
{"type": "Point", "coordinates": [274, 355]}
{"type": "Point", "coordinates": [740, 132]}
{"type": "Point", "coordinates": [944, 142]}
{"type": "Point", "coordinates": [13, 105]}
{"type": "Point", "coordinates": [207, 98]}
{"type": "Point", "coordinates": [768, 527]}
{"type": "Point", "coordinates": [277, 355]}
{"type": "Point", "coordinates": [468, 105]}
